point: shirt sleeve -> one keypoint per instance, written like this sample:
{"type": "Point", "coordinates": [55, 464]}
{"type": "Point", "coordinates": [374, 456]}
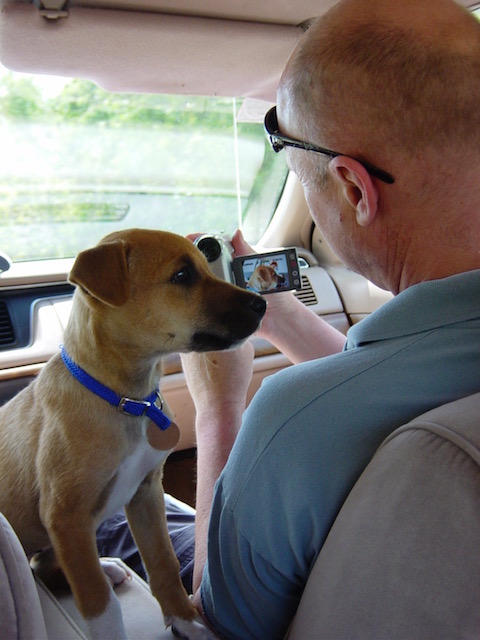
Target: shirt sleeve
{"type": "Point", "coordinates": [243, 595]}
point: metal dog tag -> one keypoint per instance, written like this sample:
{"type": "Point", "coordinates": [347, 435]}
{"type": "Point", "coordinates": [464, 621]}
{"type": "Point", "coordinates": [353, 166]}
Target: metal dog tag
{"type": "Point", "coordinates": [162, 440]}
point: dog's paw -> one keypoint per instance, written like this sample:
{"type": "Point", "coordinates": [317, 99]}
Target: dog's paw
{"type": "Point", "coordinates": [109, 624]}
{"type": "Point", "coordinates": [114, 572]}
{"type": "Point", "coordinates": [190, 629]}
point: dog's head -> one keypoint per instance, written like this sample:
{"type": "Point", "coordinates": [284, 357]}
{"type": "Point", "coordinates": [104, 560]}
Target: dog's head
{"type": "Point", "coordinates": [154, 289]}
{"type": "Point", "coordinates": [265, 278]}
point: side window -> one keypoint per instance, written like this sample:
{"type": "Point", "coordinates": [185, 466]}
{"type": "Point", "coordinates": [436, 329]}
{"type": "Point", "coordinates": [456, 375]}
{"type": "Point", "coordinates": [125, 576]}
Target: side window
{"type": "Point", "coordinates": [77, 162]}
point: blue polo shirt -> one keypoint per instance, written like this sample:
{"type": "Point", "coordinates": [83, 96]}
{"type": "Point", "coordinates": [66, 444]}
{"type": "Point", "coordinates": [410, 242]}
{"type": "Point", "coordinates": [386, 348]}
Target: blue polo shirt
{"type": "Point", "coordinates": [308, 434]}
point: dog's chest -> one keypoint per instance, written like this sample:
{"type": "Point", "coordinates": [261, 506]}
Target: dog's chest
{"type": "Point", "coordinates": [130, 474]}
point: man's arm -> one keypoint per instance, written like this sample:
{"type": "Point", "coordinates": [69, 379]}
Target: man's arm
{"type": "Point", "coordinates": [218, 382]}
{"type": "Point", "coordinates": [297, 331]}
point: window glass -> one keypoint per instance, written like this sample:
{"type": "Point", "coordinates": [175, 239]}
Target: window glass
{"type": "Point", "coordinates": [77, 162]}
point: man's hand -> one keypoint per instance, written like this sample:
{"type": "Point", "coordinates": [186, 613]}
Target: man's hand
{"type": "Point", "coordinates": [279, 305]}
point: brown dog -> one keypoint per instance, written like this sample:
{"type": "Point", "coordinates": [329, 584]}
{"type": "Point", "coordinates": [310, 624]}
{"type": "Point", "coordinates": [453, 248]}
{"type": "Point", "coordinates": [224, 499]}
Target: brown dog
{"type": "Point", "coordinates": [69, 458]}
{"type": "Point", "coordinates": [265, 278]}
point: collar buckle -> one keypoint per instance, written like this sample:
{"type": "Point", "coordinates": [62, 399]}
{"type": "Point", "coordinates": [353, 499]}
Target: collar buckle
{"type": "Point", "coordinates": [125, 405]}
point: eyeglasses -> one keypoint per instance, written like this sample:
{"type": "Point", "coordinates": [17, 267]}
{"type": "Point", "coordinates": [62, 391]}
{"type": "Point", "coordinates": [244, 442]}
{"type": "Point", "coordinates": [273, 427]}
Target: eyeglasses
{"type": "Point", "coordinates": [278, 142]}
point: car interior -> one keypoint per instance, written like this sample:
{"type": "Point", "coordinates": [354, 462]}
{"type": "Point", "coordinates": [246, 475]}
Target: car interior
{"type": "Point", "coordinates": [149, 113]}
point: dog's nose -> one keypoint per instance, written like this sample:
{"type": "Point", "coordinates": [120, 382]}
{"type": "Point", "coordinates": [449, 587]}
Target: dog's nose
{"type": "Point", "coordinates": [258, 305]}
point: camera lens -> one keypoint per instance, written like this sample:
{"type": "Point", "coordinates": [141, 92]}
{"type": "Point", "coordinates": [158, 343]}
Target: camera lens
{"type": "Point", "coordinates": [210, 247]}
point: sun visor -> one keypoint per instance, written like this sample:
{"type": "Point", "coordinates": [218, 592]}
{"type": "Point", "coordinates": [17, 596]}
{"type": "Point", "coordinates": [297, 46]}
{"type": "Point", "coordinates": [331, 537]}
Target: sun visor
{"type": "Point", "coordinates": [148, 52]}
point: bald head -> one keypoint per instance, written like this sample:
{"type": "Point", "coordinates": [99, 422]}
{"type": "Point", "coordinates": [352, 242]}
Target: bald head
{"type": "Point", "coordinates": [387, 75]}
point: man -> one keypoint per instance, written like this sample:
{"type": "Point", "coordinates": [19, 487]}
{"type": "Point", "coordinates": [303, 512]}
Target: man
{"type": "Point", "coordinates": [393, 89]}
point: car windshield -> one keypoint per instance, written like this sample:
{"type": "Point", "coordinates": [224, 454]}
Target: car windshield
{"type": "Point", "coordinates": [77, 162]}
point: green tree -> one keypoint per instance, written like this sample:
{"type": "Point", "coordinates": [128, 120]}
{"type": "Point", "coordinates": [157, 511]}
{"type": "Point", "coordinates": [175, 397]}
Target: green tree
{"type": "Point", "coordinates": [20, 98]}
{"type": "Point", "coordinates": [85, 102]}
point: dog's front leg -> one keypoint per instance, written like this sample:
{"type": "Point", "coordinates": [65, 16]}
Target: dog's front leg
{"type": "Point", "coordinates": [147, 520]}
{"type": "Point", "coordinates": [74, 544]}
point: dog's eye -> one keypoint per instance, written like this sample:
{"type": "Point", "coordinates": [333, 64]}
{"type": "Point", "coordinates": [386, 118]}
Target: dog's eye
{"type": "Point", "coordinates": [181, 276]}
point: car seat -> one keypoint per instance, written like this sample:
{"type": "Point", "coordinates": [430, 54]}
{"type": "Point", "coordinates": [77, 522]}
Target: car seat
{"type": "Point", "coordinates": [402, 559]}
{"type": "Point", "coordinates": [29, 611]}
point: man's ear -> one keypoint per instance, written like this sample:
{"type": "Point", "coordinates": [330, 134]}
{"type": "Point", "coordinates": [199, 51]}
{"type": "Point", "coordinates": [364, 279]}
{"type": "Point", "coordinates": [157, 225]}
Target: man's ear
{"type": "Point", "coordinates": [103, 272]}
{"type": "Point", "coordinates": [357, 187]}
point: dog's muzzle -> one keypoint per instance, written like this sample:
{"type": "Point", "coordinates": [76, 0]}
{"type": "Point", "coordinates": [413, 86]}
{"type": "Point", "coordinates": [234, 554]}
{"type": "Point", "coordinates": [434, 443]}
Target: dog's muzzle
{"type": "Point", "coordinates": [238, 323]}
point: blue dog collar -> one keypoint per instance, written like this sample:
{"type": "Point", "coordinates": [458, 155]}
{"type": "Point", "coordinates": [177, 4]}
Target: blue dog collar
{"type": "Point", "coordinates": [146, 407]}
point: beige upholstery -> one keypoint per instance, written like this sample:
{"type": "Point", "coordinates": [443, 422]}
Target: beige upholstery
{"type": "Point", "coordinates": [141, 612]}
{"type": "Point", "coordinates": [402, 560]}
{"type": "Point", "coordinates": [20, 611]}
{"type": "Point", "coordinates": [29, 611]}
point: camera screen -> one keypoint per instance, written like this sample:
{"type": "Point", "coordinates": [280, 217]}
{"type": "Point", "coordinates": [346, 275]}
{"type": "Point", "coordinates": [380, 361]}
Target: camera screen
{"type": "Point", "coordinates": [268, 272]}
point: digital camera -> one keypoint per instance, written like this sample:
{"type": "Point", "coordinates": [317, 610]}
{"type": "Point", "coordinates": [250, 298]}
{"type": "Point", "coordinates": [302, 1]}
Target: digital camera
{"type": "Point", "coordinates": [263, 273]}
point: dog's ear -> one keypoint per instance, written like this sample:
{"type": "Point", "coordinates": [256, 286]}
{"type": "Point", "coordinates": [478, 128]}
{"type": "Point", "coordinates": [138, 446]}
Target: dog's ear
{"type": "Point", "coordinates": [103, 272]}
